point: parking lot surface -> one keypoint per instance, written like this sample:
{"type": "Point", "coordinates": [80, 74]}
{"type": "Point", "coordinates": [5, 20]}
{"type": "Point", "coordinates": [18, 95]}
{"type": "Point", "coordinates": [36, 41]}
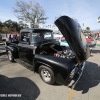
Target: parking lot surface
{"type": "Point", "coordinates": [17, 79]}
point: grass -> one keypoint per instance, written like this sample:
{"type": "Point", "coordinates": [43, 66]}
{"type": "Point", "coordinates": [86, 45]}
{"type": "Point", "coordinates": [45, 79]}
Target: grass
{"type": "Point", "coordinates": [97, 44]}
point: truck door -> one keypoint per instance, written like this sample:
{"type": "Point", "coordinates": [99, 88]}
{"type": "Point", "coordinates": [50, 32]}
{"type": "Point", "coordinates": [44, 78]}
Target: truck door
{"type": "Point", "coordinates": [25, 50]}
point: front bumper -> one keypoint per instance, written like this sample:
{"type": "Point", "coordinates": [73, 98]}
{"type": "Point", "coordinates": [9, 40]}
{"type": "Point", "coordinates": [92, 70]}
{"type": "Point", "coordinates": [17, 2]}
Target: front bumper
{"type": "Point", "coordinates": [80, 74]}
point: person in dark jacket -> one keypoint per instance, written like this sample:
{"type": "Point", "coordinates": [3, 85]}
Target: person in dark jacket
{"type": "Point", "coordinates": [10, 39]}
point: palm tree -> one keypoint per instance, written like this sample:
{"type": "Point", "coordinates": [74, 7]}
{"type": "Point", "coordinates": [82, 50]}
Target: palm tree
{"type": "Point", "coordinates": [99, 19]}
{"type": "Point", "coordinates": [88, 28]}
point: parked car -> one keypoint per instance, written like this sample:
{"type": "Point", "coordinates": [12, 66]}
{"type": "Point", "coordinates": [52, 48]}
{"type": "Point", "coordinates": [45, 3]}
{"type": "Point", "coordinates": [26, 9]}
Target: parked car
{"type": "Point", "coordinates": [63, 42]}
{"type": "Point", "coordinates": [2, 40]}
{"type": "Point", "coordinates": [88, 40]}
{"type": "Point", "coordinates": [38, 48]}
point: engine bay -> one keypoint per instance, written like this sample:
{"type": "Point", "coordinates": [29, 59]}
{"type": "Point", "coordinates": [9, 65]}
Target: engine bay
{"type": "Point", "coordinates": [56, 50]}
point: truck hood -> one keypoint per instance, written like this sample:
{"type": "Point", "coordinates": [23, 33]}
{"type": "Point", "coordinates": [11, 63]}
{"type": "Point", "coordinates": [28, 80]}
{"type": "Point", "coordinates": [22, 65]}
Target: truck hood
{"type": "Point", "coordinates": [73, 34]}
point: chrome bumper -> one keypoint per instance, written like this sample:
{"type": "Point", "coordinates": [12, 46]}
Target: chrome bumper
{"type": "Point", "coordinates": [82, 68]}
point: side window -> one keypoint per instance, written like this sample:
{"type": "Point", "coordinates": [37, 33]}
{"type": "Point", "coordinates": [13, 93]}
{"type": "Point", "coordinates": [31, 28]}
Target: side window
{"type": "Point", "coordinates": [25, 36]}
{"type": "Point", "coordinates": [37, 37]}
{"type": "Point", "coordinates": [48, 35]}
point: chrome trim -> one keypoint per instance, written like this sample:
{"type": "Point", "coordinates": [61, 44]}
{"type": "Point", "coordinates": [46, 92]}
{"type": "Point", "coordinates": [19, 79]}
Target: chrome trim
{"type": "Point", "coordinates": [45, 75]}
{"type": "Point", "coordinates": [74, 84]}
{"type": "Point", "coordinates": [73, 72]}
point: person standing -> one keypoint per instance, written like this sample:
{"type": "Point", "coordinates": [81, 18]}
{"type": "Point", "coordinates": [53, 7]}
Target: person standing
{"type": "Point", "coordinates": [9, 38]}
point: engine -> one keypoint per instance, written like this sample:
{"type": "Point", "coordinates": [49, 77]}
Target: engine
{"type": "Point", "coordinates": [56, 50]}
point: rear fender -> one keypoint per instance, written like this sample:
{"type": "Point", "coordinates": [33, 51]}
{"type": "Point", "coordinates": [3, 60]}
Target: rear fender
{"type": "Point", "coordinates": [14, 51]}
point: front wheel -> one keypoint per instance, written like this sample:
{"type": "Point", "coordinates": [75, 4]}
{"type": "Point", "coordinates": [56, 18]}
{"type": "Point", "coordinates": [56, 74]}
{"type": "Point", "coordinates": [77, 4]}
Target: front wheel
{"type": "Point", "coordinates": [46, 74]}
{"type": "Point", "coordinates": [10, 56]}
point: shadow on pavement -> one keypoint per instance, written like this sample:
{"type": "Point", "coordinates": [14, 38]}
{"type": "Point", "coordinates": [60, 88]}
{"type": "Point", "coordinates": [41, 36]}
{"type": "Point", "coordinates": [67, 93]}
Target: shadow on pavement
{"type": "Point", "coordinates": [90, 77]}
{"type": "Point", "coordinates": [57, 84]}
{"type": "Point", "coordinates": [19, 85]}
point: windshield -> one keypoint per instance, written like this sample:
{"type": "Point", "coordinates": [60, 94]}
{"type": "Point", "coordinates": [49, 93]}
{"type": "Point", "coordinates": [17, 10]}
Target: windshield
{"type": "Point", "coordinates": [40, 36]}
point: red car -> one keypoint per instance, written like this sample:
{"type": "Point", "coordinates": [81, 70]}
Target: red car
{"type": "Point", "coordinates": [88, 40]}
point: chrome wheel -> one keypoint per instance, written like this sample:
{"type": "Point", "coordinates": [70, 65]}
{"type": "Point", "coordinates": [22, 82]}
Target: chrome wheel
{"type": "Point", "coordinates": [9, 55]}
{"type": "Point", "coordinates": [46, 75]}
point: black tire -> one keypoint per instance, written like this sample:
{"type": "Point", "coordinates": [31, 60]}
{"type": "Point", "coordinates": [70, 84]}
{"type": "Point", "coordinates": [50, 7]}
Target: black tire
{"type": "Point", "coordinates": [10, 56]}
{"type": "Point", "coordinates": [46, 74]}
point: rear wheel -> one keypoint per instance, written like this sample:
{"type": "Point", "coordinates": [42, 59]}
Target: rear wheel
{"type": "Point", "coordinates": [10, 56]}
{"type": "Point", "coordinates": [46, 74]}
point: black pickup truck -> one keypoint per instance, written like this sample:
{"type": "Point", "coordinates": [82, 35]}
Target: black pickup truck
{"type": "Point", "coordinates": [38, 48]}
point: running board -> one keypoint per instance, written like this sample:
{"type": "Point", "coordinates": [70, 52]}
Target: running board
{"type": "Point", "coordinates": [28, 66]}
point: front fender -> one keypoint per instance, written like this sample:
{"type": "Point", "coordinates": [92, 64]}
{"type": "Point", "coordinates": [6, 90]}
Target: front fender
{"type": "Point", "coordinates": [14, 50]}
{"type": "Point", "coordinates": [61, 66]}
{"type": "Point", "coordinates": [38, 63]}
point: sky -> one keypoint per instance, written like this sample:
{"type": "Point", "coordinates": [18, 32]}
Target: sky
{"type": "Point", "coordinates": [85, 11]}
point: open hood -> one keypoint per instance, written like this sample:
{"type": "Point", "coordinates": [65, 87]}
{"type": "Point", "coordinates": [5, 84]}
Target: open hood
{"type": "Point", "coordinates": [73, 34]}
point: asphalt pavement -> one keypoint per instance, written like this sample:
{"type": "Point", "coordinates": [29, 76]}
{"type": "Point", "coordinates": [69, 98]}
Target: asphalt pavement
{"type": "Point", "coordinates": [16, 80]}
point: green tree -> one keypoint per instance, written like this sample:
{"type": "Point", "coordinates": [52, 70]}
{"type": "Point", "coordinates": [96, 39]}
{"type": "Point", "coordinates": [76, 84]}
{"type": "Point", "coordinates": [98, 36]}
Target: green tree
{"type": "Point", "coordinates": [10, 26]}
